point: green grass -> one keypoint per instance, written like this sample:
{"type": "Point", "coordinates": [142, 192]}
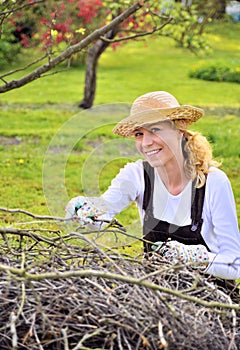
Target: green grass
{"type": "Point", "coordinates": [45, 113]}
{"type": "Point", "coordinates": [139, 67]}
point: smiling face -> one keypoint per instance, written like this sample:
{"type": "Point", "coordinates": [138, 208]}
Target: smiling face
{"type": "Point", "coordinates": [160, 143]}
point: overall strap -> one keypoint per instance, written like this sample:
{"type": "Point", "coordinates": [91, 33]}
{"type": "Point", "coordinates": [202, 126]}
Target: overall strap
{"type": "Point", "coordinates": [149, 185]}
{"type": "Point", "coordinates": [198, 195]}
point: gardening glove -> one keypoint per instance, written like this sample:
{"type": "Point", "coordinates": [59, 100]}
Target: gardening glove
{"type": "Point", "coordinates": [82, 210]}
{"type": "Point", "coordinates": [177, 252]}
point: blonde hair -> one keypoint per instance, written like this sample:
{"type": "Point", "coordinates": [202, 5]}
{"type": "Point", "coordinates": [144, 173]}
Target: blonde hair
{"type": "Point", "coordinates": [198, 156]}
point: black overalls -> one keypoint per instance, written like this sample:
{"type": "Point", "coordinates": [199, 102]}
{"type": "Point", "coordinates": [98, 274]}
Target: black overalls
{"type": "Point", "coordinates": [157, 230]}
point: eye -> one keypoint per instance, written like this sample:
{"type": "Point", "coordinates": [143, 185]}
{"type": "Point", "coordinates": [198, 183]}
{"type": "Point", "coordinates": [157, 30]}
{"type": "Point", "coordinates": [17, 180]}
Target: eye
{"type": "Point", "coordinates": [155, 129]}
{"type": "Point", "coordinates": [138, 134]}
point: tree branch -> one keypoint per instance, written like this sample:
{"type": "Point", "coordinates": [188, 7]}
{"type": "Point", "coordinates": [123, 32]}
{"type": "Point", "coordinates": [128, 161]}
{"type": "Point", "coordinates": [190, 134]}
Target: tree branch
{"type": "Point", "coordinates": [37, 73]}
{"type": "Point", "coordinates": [15, 9]}
{"type": "Point", "coordinates": [140, 34]}
{"type": "Point", "coordinates": [23, 68]}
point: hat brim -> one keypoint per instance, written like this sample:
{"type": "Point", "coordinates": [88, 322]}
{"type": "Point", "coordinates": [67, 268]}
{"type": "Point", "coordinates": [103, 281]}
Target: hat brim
{"type": "Point", "coordinates": [188, 114]}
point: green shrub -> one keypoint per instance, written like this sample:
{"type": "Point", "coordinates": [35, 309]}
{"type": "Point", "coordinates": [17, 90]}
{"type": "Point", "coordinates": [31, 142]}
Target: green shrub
{"type": "Point", "coordinates": [233, 75]}
{"type": "Point", "coordinates": [216, 72]}
{"type": "Point", "coordinates": [8, 52]}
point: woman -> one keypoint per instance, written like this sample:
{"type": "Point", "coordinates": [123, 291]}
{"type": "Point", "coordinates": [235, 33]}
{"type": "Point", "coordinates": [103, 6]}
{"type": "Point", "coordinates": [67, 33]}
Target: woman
{"type": "Point", "coordinates": [185, 201]}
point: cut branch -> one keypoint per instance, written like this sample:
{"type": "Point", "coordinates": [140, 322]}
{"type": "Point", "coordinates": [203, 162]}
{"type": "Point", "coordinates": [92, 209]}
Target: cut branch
{"type": "Point", "coordinates": [43, 217]}
{"type": "Point", "coordinates": [25, 276]}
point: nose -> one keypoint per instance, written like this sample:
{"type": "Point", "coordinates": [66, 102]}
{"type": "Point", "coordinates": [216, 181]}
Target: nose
{"type": "Point", "coordinates": [147, 138]}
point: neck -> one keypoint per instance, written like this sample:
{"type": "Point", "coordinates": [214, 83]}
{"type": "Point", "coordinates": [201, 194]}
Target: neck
{"type": "Point", "coordinates": [173, 177]}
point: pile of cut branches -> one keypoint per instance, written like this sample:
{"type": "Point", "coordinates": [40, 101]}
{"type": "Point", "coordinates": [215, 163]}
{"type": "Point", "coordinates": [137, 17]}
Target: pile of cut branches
{"type": "Point", "coordinates": [64, 291]}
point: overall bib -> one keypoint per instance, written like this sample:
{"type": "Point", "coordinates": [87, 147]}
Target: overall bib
{"type": "Point", "coordinates": [158, 230]}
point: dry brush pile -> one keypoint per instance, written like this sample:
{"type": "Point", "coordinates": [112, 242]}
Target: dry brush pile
{"type": "Point", "coordinates": [63, 291]}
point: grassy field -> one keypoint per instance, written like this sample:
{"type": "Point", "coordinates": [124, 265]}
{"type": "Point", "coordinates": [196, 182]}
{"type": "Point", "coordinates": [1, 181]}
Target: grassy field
{"type": "Point", "coordinates": [51, 151]}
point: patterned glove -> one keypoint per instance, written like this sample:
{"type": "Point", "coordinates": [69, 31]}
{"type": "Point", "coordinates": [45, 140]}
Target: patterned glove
{"type": "Point", "coordinates": [83, 210]}
{"type": "Point", "coordinates": [177, 252]}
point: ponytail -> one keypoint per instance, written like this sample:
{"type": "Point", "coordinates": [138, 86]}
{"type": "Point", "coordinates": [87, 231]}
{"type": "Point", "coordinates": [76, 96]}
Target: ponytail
{"type": "Point", "coordinates": [198, 156]}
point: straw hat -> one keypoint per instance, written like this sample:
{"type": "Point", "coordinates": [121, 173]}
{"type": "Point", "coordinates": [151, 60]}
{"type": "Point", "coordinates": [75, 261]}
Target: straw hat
{"type": "Point", "coordinates": [154, 107]}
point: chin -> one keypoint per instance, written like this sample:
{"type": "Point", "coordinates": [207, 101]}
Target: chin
{"type": "Point", "coordinates": [155, 163]}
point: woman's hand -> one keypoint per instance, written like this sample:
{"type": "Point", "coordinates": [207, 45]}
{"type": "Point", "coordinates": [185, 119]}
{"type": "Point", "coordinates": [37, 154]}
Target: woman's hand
{"type": "Point", "coordinates": [82, 210]}
{"type": "Point", "coordinates": [177, 252]}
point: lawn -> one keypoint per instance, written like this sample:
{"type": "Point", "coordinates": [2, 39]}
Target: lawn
{"type": "Point", "coordinates": [41, 124]}
{"type": "Point", "coordinates": [51, 151]}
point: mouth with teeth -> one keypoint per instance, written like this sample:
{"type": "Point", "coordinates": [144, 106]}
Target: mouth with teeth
{"type": "Point", "coordinates": [153, 152]}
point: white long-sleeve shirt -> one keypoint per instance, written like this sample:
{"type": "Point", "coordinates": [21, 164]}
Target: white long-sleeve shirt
{"type": "Point", "coordinates": [220, 226]}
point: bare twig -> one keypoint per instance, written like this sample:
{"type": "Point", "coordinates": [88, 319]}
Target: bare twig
{"type": "Point", "coordinates": [23, 68]}
{"type": "Point", "coordinates": [13, 331]}
{"type": "Point", "coordinates": [43, 217]}
{"type": "Point", "coordinates": [19, 8]}
{"type": "Point", "coordinates": [163, 342]}
{"type": "Point", "coordinates": [137, 35]}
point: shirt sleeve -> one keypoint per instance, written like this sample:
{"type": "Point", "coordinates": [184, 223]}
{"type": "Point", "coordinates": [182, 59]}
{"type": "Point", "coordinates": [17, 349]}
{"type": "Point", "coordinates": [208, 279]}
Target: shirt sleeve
{"type": "Point", "coordinates": [223, 236]}
{"type": "Point", "coordinates": [126, 187]}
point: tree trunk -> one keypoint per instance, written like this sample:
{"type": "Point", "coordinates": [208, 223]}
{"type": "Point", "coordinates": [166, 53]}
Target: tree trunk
{"type": "Point", "coordinates": [91, 68]}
